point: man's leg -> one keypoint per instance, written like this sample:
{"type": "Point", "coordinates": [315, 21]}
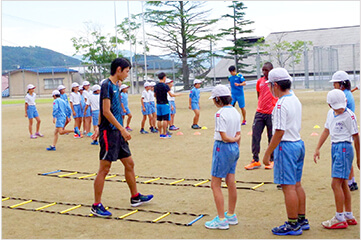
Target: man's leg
{"type": "Point", "coordinates": [257, 129]}
{"type": "Point", "coordinates": [104, 167]}
{"type": "Point", "coordinates": [129, 174]}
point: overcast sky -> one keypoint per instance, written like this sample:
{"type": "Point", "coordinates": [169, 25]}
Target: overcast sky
{"type": "Point", "coordinates": [51, 24]}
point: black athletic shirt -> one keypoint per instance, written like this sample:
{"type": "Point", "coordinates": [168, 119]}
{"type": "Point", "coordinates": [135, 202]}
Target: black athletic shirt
{"type": "Point", "coordinates": [161, 90]}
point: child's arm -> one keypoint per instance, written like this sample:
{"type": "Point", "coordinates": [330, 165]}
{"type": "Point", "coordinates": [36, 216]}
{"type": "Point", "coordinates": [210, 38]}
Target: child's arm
{"type": "Point", "coordinates": [26, 108]}
{"type": "Point", "coordinates": [141, 100]}
{"type": "Point", "coordinates": [323, 138]}
{"type": "Point", "coordinates": [276, 139]}
{"type": "Point", "coordinates": [86, 108]}
{"type": "Point", "coordinates": [72, 108]}
{"type": "Point", "coordinates": [123, 107]}
{"type": "Point", "coordinates": [190, 103]}
{"type": "Point", "coordinates": [356, 140]}
{"type": "Point", "coordinates": [226, 138]}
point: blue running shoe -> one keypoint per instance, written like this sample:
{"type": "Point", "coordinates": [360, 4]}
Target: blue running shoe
{"type": "Point", "coordinates": [76, 131]}
{"type": "Point", "coordinates": [89, 134]}
{"type": "Point", "coordinates": [142, 131]}
{"type": "Point", "coordinates": [140, 199]}
{"type": "Point", "coordinates": [216, 223]}
{"type": "Point", "coordinates": [162, 136]}
{"type": "Point", "coordinates": [100, 211]}
{"type": "Point", "coordinates": [167, 136]}
{"type": "Point", "coordinates": [173, 128]}
{"type": "Point", "coordinates": [51, 148]}
{"type": "Point", "coordinates": [232, 220]}
{"type": "Point", "coordinates": [95, 142]}
{"type": "Point", "coordinates": [287, 229]}
{"type": "Point", "coordinates": [304, 224]}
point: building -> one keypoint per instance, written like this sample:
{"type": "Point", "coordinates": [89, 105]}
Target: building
{"type": "Point", "coordinates": [45, 79]}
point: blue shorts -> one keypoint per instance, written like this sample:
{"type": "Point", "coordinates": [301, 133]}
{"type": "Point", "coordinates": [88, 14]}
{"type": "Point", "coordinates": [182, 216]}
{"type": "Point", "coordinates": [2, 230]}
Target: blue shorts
{"type": "Point", "coordinates": [32, 112]}
{"type": "Point", "coordinates": [224, 160]}
{"type": "Point", "coordinates": [239, 99]}
{"type": "Point", "coordinates": [95, 115]}
{"type": "Point", "coordinates": [152, 107]}
{"type": "Point", "coordinates": [342, 157]}
{"type": "Point", "coordinates": [288, 162]}
{"type": "Point", "coordinates": [78, 111]}
{"type": "Point", "coordinates": [147, 108]}
{"type": "Point", "coordinates": [195, 105]}
{"type": "Point", "coordinates": [127, 111]}
{"type": "Point", "coordinates": [88, 112]}
{"type": "Point", "coordinates": [60, 122]}
{"type": "Point", "coordinates": [172, 103]}
{"type": "Point", "coordinates": [163, 112]}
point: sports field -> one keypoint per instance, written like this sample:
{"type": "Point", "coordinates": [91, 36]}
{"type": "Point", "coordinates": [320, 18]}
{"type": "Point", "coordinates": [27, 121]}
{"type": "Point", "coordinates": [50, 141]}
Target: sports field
{"type": "Point", "coordinates": [182, 157]}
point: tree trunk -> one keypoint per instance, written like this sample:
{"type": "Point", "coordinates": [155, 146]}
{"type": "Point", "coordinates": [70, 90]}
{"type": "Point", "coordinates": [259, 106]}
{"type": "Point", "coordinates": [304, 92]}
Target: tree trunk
{"type": "Point", "coordinates": [185, 69]}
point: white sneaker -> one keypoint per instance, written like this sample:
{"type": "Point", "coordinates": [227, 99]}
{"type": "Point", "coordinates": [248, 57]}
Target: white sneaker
{"type": "Point", "coordinates": [334, 223]}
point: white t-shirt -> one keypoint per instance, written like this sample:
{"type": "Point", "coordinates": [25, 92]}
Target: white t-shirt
{"type": "Point", "coordinates": [287, 116]}
{"type": "Point", "coordinates": [30, 99]}
{"type": "Point", "coordinates": [342, 126]}
{"type": "Point", "coordinates": [145, 96]}
{"type": "Point", "coordinates": [86, 94]}
{"type": "Point", "coordinates": [228, 120]}
{"type": "Point", "coordinates": [151, 96]}
{"type": "Point", "coordinates": [93, 101]}
{"type": "Point", "coordinates": [75, 98]}
{"type": "Point", "coordinates": [169, 97]}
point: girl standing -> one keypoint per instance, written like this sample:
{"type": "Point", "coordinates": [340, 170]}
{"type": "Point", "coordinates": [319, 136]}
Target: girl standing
{"type": "Point", "coordinates": [31, 112]}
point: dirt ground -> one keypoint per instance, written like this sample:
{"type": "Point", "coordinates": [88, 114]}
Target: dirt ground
{"type": "Point", "coordinates": [187, 156]}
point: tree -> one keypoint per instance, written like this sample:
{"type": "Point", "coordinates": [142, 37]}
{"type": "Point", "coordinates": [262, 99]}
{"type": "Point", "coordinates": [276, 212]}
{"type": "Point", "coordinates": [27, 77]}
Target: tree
{"type": "Point", "coordinates": [96, 49]}
{"type": "Point", "coordinates": [241, 45]}
{"type": "Point", "coordinates": [182, 29]}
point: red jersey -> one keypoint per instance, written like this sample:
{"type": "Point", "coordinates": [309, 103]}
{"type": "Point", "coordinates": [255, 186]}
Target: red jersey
{"type": "Point", "coordinates": [266, 101]}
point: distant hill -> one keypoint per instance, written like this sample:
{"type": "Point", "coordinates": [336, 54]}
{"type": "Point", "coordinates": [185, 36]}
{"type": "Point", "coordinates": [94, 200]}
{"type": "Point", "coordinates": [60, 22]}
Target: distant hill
{"type": "Point", "coordinates": [33, 57]}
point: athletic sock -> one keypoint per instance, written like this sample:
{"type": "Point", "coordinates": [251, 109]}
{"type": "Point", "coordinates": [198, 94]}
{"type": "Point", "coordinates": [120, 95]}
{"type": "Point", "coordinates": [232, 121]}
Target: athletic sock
{"type": "Point", "coordinates": [221, 219]}
{"type": "Point", "coordinates": [292, 221]}
{"type": "Point", "coordinates": [96, 204]}
{"type": "Point", "coordinates": [136, 195]}
{"type": "Point", "coordinates": [301, 217]}
{"type": "Point", "coordinates": [349, 215]}
{"type": "Point", "coordinates": [340, 216]}
{"type": "Point", "coordinates": [230, 215]}
{"type": "Point", "coordinates": [353, 179]}
{"type": "Point", "coordinates": [349, 182]}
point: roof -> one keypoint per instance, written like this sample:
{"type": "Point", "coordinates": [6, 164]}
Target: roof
{"type": "Point", "coordinates": [341, 38]}
{"type": "Point", "coordinates": [47, 70]}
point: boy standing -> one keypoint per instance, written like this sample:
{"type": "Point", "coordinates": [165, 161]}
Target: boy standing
{"type": "Point", "coordinates": [237, 82]}
{"type": "Point", "coordinates": [194, 96]}
{"type": "Point", "coordinates": [94, 108]}
{"type": "Point", "coordinates": [262, 118]}
{"type": "Point", "coordinates": [171, 101]}
{"type": "Point", "coordinates": [113, 139]}
{"type": "Point", "coordinates": [341, 124]}
{"type": "Point", "coordinates": [289, 152]}
{"type": "Point", "coordinates": [145, 108]}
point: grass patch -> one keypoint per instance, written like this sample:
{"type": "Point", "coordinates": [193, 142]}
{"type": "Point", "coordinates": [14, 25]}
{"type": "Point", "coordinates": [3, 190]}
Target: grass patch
{"type": "Point", "coordinates": [22, 101]}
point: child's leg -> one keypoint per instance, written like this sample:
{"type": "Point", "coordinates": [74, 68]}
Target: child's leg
{"type": "Point", "coordinates": [291, 200]}
{"type": "Point", "coordinates": [31, 126]}
{"type": "Point", "coordinates": [196, 116]}
{"type": "Point", "coordinates": [143, 121]}
{"type": "Point", "coordinates": [218, 196]}
{"type": "Point", "coordinates": [87, 124]}
{"type": "Point", "coordinates": [172, 119]}
{"type": "Point", "coordinates": [56, 136]}
{"type": "Point", "coordinates": [232, 193]}
{"type": "Point", "coordinates": [150, 118]}
{"type": "Point", "coordinates": [154, 119]}
{"type": "Point", "coordinates": [160, 128]}
{"type": "Point", "coordinates": [243, 110]}
{"type": "Point", "coordinates": [129, 174]}
{"type": "Point", "coordinates": [104, 167]}
{"type": "Point", "coordinates": [67, 121]}
{"type": "Point", "coordinates": [339, 193]}
{"type": "Point", "coordinates": [164, 126]}
{"type": "Point", "coordinates": [347, 195]}
{"type": "Point", "coordinates": [129, 119]}
{"type": "Point", "coordinates": [38, 121]}
{"type": "Point", "coordinates": [301, 199]}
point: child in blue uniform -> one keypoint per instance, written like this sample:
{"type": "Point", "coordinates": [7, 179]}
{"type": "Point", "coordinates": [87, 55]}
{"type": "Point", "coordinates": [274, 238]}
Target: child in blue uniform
{"type": "Point", "coordinates": [60, 109]}
{"type": "Point", "coordinates": [93, 102]}
{"type": "Point", "coordinates": [237, 82]}
{"type": "Point", "coordinates": [61, 89]}
{"type": "Point", "coordinates": [152, 107]}
{"type": "Point", "coordinates": [194, 96]}
{"type": "Point", "coordinates": [125, 108]}
{"type": "Point", "coordinates": [341, 125]}
{"type": "Point", "coordinates": [225, 156]}
{"type": "Point", "coordinates": [31, 112]}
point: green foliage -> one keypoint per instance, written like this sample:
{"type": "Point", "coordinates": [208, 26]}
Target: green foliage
{"type": "Point", "coordinates": [34, 57]}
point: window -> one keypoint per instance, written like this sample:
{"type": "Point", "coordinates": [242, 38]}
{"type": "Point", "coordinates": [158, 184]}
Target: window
{"type": "Point", "coordinates": [52, 83]}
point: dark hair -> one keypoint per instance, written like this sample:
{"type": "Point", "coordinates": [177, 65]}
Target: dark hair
{"type": "Point", "coordinates": [57, 95]}
{"type": "Point", "coordinates": [346, 84]}
{"type": "Point", "coordinates": [223, 100]}
{"type": "Point", "coordinates": [119, 62]}
{"type": "Point", "coordinates": [232, 68]}
{"type": "Point", "coordinates": [284, 84]}
{"type": "Point", "coordinates": [268, 64]}
{"type": "Point", "coordinates": [161, 75]}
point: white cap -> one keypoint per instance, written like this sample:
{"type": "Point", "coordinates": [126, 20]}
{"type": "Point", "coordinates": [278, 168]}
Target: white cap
{"type": "Point", "coordinates": [74, 84]}
{"type": "Point", "coordinates": [167, 80]}
{"type": "Point", "coordinates": [337, 99]}
{"type": "Point", "coordinates": [55, 92]}
{"type": "Point", "coordinates": [278, 74]}
{"type": "Point", "coordinates": [123, 86]}
{"type": "Point", "coordinates": [197, 81]}
{"type": "Point", "coordinates": [61, 87]}
{"type": "Point", "coordinates": [152, 84]}
{"type": "Point", "coordinates": [86, 83]}
{"type": "Point", "coordinates": [220, 91]}
{"type": "Point", "coordinates": [146, 84]}
{"type": "Point", "coordinates": [31, 86]}
{"type": "Point", "coordinates": [96, 87]}
{"type": "Point", "coordinates": [340, 76]}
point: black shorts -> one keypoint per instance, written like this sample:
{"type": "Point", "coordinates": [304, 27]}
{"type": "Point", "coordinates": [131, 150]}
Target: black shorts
{"type": "Point", "coordinates": [113, 146]}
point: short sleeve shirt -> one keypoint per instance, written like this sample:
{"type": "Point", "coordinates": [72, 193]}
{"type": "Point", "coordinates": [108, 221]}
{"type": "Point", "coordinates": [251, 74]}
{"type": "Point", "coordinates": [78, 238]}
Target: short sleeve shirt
{"type": "Point", "coordinates": [266, 101]}
{"type": "Point", "coordinates": [30, 99]}
{"type": "Point", "coordinates": [238, 78]}
{"type": "Point", "coordinates": [151, 96]}
{"type": "Point", "coordinates": [350, 100]}
{"type": "Point", "coordinates": [194, 94]}
{"type": "Point", "coordinates": [94, 101]}
{"type": "Point", "coordinates": [287, 116]}
{"type": "Point", "coordinates": [161, 90]}
{"type": "Point", "coordinates": [228, 120]}
{"type": "Point", "coordinates": [169, 97]}
{"type": "Point", "coordinates": [145, 96]}
{"type": "Point", "coordinates": [342, 126]}
{"type": "Point", "coordinates": [124, 99]}
{"type": "Point", "coordinates": [110, 91]}
{"type": "Point", "coordinates": [60, 108]}
{"type": "Point", "coordinates": [75, 98]}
